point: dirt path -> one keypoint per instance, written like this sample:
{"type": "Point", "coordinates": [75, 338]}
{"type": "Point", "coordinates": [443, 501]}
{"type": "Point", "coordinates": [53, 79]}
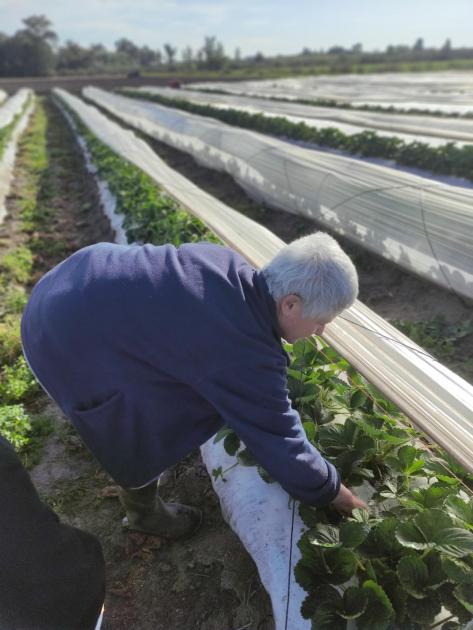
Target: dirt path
{"type": "Point", "coordinates": [207, 582]}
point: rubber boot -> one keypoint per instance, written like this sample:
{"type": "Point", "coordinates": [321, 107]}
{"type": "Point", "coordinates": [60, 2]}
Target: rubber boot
{"type": "Point", "coordinates": [147, 513]}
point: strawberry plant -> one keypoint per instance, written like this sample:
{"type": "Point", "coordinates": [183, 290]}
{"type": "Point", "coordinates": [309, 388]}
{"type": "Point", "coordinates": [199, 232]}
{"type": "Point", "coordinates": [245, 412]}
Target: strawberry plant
{"type": "Point", "coordinates": [411, 556]}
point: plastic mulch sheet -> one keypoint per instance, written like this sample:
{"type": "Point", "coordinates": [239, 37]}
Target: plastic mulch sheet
{"type": "Point", "coordinates": [7, 114]}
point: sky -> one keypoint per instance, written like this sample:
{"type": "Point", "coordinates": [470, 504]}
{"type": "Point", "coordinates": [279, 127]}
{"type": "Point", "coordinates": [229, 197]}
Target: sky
{"type": "Point", "coordinates": [267, 26]}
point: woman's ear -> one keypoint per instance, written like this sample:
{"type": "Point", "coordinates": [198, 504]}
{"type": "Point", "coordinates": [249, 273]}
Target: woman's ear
{"type": "Point", "coordinates": [291, 305]}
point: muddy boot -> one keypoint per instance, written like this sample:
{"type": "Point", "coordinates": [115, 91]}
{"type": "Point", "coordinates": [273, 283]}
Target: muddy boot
{"type": "Point", "coordinates": [147, 513]}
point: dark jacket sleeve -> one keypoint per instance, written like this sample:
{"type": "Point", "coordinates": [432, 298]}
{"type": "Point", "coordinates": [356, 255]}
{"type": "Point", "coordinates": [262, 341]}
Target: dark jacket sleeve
{"type": "Point", "coordinates": [253, 401]}
{"type": "Point", "coordinates": [51, 575]}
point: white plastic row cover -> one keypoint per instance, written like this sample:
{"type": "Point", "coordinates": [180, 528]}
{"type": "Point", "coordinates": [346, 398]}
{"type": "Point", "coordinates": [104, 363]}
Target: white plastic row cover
{"type": "Point", "coordinates": [420, 224]}
{"type": "Point", "coordinates": [431, 130]}
{"type": "Point", "coordinates": [449, 92]}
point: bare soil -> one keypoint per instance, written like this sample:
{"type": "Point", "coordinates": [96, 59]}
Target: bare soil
{"type": "Point", "coordinates": [207, 582]}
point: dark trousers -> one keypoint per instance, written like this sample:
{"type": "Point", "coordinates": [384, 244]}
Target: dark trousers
{"type": "Point", "coordinates": [52, 576]}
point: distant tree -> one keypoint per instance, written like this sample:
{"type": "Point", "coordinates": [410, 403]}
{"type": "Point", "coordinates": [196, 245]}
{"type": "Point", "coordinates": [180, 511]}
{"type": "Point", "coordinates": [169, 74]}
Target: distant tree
{"type": "Point", "coordinates": [39, 27]}
{"type": "Point", "coordinates": [259, 57]}
{"type": "Point", "coordinates": [419, 45]}
{"type": "Point", "coordinates": [237, 54]}
{"type": "Point", "coordinates": [170, 53]}
{"type": "Point", "coordinates": [447, 47]}
{"type": "Point", "coordinates": [213, 54]}
{"type": "Point", "coordinates": [30, 51]}
{"type": "Point", "coordinates": [336, 50]}
{"type": "Point", "coordinates": [99, 56]}
{"type": "Point", "coordinates": [357, 48]}
{"type": "Point", "coordinates": [127, 48]}
{"type": "Point", "coordinates": [306, 52]}
{"type": "Point", "coordinates": [187, 57]}
{"type": "Point", "coordinates": [147, 56]}
{"type": "Point", "coordinates": [72, 56]}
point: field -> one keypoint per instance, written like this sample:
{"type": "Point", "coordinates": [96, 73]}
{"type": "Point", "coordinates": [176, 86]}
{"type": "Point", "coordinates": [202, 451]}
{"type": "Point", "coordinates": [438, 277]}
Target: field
{"type": "Point", "coordinates": [409, 563]}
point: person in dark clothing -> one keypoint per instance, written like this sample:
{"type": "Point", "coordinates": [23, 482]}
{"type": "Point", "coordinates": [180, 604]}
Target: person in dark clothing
{"type": "Point", "coordinates": [150, 350]}
{"type": "Point", "coordinates": [52, 576]}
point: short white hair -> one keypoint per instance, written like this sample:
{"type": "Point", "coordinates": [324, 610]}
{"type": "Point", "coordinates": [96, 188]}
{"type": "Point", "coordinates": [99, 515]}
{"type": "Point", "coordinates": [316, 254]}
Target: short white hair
{"type": "Point", "coordinates": [316, 269]}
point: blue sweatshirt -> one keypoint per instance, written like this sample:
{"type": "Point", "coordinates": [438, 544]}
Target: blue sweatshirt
{"type": "Point", "coordinates": [150, 350]}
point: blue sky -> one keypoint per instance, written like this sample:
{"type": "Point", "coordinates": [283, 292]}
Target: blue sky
{"type": "Point", "coordinates": [269, 26]}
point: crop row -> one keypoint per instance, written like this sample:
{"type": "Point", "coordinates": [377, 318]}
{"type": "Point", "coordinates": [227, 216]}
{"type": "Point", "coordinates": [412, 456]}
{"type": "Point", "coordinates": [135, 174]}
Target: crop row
{"type": "Point", "coordinates": [448, 159]}
{"type": "Point", "coordinates": [412, 554]}
{"type": "Point", "coordinates": [18, 388]}
{"type": "Point", "coordinates": [333, 103]}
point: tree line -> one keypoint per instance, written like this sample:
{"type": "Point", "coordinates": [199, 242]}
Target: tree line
{"type": "Point", "coordinates": [34, 50]}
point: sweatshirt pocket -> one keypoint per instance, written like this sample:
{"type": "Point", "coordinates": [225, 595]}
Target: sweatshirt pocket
{"type": "Point", "coordinates": [109, 432]}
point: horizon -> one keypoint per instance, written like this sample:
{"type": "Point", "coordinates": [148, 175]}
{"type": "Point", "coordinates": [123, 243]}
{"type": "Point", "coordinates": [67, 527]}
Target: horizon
{"type": "Point", "coordinates": [244, 25]}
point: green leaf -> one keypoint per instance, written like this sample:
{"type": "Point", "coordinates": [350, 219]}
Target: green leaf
{"type": "Point", "coordinates": [326, 615]}
{"type": "Point", "coordinates": [361, 515]}
{"type": "Point", "coordinates": [224, 431]}
{"type": "Point", "coordinates": [431, 497]}
{"type": "Point", "coordinates": [379, 611]}
{"type": "Point", "coordinates": [245, 458]}
{"type": "Point", "coordinates": [451, 603]}
{"type": "Point", "coordinates": [309, 515]}
{"type": "Point", "coordinates": [352, 533]}
{"type": "Point", "coordinates": [309, 428]}
{"type": "Point", "coordinates": [357, 399]}
{"type": "Point", "coordinates": [324, 536]}
{"type": "Point", "coordinates": [381, 541]}
{"type": "Point", "coordinates": [461, 510]}
{"type": "Point", "coordinates": [413, 575]}
{"type": "Point", "coordinates": [231, 443]}
{"type": "Point", "coordinates": [464, 594]}
{"type": "Point", "coordinates": [309, 606]}
{"type": "Point", "coordinates": [423, 611]}
{"type": "Point", "coordinates": [354, 603]}
{"type": "Point", "coordinates": [458, 571]}
{"type": "Point", "coordinates": [454, 541]}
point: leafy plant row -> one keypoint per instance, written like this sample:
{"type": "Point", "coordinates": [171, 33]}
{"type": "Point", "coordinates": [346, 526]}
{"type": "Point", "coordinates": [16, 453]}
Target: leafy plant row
{"type": "Point", "coordinates": [448, 159]}
{"type": "Point", "coordinates": [151, 215]}
{"type": "Point", "coordinates": [18, 388]}
{"type": "Point", "coordinates": [411, 555]}
{"type": "Point", "coordinates": [330, 102]}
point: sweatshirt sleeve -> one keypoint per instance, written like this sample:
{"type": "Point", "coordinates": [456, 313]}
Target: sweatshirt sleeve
{"type": "Point", "coordinates": [253, 401]}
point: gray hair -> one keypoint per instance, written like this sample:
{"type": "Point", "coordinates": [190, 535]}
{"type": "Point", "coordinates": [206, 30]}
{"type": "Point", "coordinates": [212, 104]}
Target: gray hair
{"type": "Point", "coordinates": [316, 269]}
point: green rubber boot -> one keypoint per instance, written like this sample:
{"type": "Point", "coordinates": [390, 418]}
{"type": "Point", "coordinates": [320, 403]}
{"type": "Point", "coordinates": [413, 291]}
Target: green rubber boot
{"type": "Point", "coordinates": [147, 513]}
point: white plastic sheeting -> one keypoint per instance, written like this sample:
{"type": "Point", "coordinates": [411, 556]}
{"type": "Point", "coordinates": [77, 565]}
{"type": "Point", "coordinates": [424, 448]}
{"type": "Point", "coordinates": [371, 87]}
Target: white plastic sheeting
{"type": "Point", "coordinates": [7, 160]}
{"type": "Point", "coordinates": [431, 130]}
{"type": "Point", "coordinates": [3, 95]}
{"type": "Point", "coordinates": [13, 106]}
{"type": "Point", "coordinates": [261, 515]}
{"type": "Point", "coordinates": [449, 92]}
{"type": "Point", "coordinates": [422, 225]}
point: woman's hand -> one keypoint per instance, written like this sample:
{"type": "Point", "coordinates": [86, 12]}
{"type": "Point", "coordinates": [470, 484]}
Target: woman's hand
{"type": "Point", "coordinates": [346, 501]}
